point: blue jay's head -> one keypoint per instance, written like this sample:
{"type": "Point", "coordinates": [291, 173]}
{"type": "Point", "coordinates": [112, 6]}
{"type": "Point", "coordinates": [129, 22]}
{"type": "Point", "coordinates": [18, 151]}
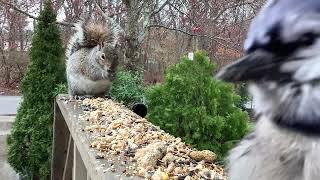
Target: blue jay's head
{"type": "Point", "coordinates": [282, 64]}
{"type": "Point", "coordinates": [282, 46]}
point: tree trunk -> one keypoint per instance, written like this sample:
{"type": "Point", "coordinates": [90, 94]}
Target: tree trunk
{"type": "Point", "coordinates": [132, 51]}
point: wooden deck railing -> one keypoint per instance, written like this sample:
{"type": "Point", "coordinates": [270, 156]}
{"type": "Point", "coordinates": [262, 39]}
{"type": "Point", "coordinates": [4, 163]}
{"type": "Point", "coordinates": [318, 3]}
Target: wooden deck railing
{"type": "Point", "coordinates": [72, 156]}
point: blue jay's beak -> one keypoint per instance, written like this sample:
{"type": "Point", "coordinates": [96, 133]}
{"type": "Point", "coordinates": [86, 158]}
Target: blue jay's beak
{"type": "Point", "coordinates": [255, 66]}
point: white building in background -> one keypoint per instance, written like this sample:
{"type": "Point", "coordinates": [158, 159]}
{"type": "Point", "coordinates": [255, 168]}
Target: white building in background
{"type": "Point", "coordinates": [191, 56]}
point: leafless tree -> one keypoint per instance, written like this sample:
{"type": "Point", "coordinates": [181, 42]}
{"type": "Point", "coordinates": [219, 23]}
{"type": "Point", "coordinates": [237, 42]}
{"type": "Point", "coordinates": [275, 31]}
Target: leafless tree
{"type": "Point", "coordinates": [155, 31]}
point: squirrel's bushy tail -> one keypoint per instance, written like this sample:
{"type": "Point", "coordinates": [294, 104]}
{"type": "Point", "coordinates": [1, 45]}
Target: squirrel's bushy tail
{"type": "Point", "coordinates": [90, 35]}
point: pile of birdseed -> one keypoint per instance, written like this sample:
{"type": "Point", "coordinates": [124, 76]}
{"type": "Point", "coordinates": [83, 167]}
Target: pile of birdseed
{"type": "Point", "coordinates": [144, 149]}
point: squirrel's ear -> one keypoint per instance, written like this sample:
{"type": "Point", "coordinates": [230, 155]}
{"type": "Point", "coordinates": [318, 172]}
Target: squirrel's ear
{"type": "Point", "coordinates": [84, 30]}
{"type": "Point", "coordinates": [100, 47]}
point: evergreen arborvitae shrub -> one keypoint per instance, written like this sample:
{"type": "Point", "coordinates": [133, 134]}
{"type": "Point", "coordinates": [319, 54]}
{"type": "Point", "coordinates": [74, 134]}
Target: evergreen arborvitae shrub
{"type": "Point", "coordinates": [241, 89]}
{"type": "Point", "coordinates": [29, 145]}
{"type": "Point", "coordinates": [192, 105]}
{"type": "Point", "coordinates": [129, 87]}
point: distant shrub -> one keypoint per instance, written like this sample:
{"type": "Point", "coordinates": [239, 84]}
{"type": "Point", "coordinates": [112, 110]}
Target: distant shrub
{"type": "Point", "coordinates": [194, 106]}
{"type": "Point", "coordinates": [129, 87]}
{"type": "Point", "coordinates": [242, 90]}
{"type": "Point", "coordinates": [60, 89]}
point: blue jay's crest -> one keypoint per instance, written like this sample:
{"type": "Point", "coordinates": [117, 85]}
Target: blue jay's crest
{"type": "Point", "coordinates": [282, 64]}
{"type": "Point", "coordinates": [284, 22]}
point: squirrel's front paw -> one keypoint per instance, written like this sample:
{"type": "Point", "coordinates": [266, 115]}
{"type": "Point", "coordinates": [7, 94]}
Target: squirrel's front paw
{"type": "Point", "coordinates": [82, 97]}
{"type": "Point", "coordinates": [108, 96]}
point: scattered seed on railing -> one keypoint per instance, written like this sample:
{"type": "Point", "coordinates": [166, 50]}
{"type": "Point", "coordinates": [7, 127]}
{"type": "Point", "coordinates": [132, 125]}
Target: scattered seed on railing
{"type": "Point", "coordinates": [117, 132]}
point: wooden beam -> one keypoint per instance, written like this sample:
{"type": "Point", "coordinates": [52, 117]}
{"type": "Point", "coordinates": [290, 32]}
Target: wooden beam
{"type": "Point", "coordinates": [67, 173]}
{"type": "Point", "coordinates": [79, 169]}
{"type": "Point", "coordinates": [60, 144]}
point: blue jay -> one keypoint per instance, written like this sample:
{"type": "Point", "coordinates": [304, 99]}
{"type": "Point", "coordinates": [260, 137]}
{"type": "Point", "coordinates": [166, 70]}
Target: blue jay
{"type": "Point", "coordinates": [282, 66]}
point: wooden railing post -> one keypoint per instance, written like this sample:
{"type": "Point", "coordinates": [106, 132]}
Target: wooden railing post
{"type": "Point", "coordinates": [61, 166]}
{"type": "Point", "coordinates": [67, 173]}
{"type": "Point", "coordinates": [79, 169]}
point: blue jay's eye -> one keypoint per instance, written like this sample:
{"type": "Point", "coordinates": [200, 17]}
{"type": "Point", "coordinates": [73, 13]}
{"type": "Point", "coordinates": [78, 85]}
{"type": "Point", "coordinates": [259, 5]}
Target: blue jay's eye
{"type": "Point", "coordinates": [307, 39]}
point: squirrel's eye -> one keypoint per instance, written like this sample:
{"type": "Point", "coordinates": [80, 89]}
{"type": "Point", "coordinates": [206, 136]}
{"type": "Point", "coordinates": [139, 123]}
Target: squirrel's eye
{"type": "Point", "coordinates": [103, 56]}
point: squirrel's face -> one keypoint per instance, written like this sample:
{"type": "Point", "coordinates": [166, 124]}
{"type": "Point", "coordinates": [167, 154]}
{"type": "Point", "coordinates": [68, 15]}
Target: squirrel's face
{"type": "Point", "coordinates": [107, 59]}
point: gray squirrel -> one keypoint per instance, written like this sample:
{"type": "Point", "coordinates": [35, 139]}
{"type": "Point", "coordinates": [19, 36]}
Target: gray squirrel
{"type": "Point", "coordinates": [92, 59]}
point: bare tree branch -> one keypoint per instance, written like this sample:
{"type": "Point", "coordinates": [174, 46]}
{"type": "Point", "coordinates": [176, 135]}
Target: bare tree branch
{"type": "Point", "coordinates": [160, 8]}
{"type": "Point", "coordinates": [187, 33]}
{"type": "Point", "coordinates": [221, 12]}
{"type": "Point", "coordinates": [12, 6]}
{"type": "Point", "coordinates": [107, 17]}
{"type": "Point", "coordinates": [213, 38]}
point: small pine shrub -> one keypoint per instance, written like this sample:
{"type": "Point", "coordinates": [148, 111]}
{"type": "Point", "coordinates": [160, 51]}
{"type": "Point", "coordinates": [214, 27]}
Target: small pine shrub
{"type": "Point", "coordinates": [129, 87]}
{"type": "Point", "coordinates": [241, 89]}
{"type": "Point", "coordinates": [194, 106]}
{"type": "Point", "coordinates": [29, 145]}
